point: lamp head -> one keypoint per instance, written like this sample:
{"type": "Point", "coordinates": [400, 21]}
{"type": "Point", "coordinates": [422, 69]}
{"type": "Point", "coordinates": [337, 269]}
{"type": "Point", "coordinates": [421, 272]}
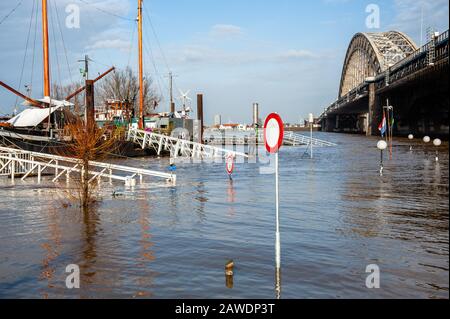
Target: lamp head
{"type": "Point", "coordinates": [437, 142]}
{"type": "Point", "coordinates": [382, 145]}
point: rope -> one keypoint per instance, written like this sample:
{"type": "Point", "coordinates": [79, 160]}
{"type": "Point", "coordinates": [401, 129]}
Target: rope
{"type": "Point", "coordinates": [55, 47]}
{"type": "Point", "coordinates": [158, 77]}
{"type": "Point", "coordinates": [131, 44]}
{"type": "Point", "coordinates": [150, 53]}
{"type": "Point", "coordinates": [26, 53]}
{"type": "Point", "coordinates": [92, 22]}
{"type": "Point", "coordinates": [105, 11]}
{"type": "Point", "coordinates": [34, 48]}
{"type": "Point", "coordinates": [157, 38]}
{"type": "Point", "coordinates": [62, 40]}
{"type": "Point", "coordinates": [10, 13]}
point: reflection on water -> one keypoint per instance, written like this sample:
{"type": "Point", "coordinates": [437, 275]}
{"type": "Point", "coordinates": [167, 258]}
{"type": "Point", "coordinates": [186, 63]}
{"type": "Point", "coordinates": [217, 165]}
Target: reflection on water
{"type": "Point", "coordinates": [147, 255]}
{"type": "Point", "coordinates": [89, 253]}
{"type": "Point", "coordinates": [277, 283]}
{"type": "Point", "coordinates": [337, 216]}
{"type": "Point", "coordinates": [51, 250]}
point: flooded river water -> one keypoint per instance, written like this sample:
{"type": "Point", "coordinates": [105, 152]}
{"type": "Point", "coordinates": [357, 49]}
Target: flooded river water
{"type": "Point", "coordinates": [337, 217]}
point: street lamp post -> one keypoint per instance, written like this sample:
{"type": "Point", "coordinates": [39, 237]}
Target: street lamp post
{"type": "Point", "coordinates": [382, 145]}
{"type": "Point", "coordinates": [437, 142]}
{"type": "Point", "coordinates": [410, 137]}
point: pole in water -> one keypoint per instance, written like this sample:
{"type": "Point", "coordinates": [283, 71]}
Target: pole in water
{"type": "Point", "coordinates": [381, 164]}
{"type": "Point", "coordinates": [437, 142]}
{"type": "Point", "coordinates": [277, 203]}
{"type": "Point", "coordinates": [381, 145]}
{"type": "Point", "coordinates": [410, 137]}
{"type": "Point", "coordinates": [311, 122]}
{"type": "Point", "coordinates": [273, 136]}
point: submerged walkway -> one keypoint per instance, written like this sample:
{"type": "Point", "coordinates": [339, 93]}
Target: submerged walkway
{"type": "Point", "coordinates": [20, 163]}
{"type": "Point", "coordinates": [249, 138]}
{"type": "Point", "coordinates": [178, 147]}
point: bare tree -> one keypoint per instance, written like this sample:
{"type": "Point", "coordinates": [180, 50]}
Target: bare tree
{"type": "Point", "coordinates": [123, 85]}
{"type": "Point", "coordinates": [60, 92]}
{"type": "Point", "coordinates": [88, 143]}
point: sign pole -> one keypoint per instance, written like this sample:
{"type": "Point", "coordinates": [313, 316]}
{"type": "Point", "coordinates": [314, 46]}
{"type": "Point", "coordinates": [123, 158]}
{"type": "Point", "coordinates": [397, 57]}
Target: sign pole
{"type": "Point", "coordinates": [277, 199]}
{"type": "Point", "coordinates": [274, 137]}
{"type": "Point", "coordinates": [312, 141]}
{"type": "Point", "coordinates": [311, 124]}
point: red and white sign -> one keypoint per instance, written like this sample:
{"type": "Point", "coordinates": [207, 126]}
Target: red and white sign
{"type": "Point", "coordinates": [273, 133]}
{"type": "Point", "coordinates": [230, 164]}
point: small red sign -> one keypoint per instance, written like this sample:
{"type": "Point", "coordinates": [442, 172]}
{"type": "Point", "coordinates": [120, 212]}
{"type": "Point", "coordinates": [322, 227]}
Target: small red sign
{"type": "Point", "coordinates": [273, 133]}
{"type": "Point", "coordinates": [230, 164]}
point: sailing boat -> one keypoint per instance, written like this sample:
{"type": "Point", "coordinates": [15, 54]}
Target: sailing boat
{"type": "Point", "coordinates": [27, 130]}
{"type": "Point", "coordinates": [40, 126]}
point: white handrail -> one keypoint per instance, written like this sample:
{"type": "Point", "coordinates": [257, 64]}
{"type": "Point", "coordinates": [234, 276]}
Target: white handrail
{"type": "Point", "coordinates": [41, 161]}
{"type": "Point", "coordinates": [175, 145]}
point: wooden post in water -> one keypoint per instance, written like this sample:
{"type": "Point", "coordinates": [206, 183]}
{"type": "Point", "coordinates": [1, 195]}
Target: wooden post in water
{"type": "Point", "coordinates": [172, 103]}
{"type": "Point", "coordinates": [141, 69]}
{"type": "Point", "coordinates": [200, 114]}
{"type": "Point", "coordinates": [90, 111]}
{"type": "Point", "coordinates": [46, 52]}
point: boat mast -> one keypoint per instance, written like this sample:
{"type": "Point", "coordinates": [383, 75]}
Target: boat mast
{"type": "Point", "coordinates": [141, 72]}
{"type": "Point", "coordinates": [45, 48]}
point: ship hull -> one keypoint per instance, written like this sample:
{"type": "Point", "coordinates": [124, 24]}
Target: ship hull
{"type": "Point", "coordinates": [44, 144]}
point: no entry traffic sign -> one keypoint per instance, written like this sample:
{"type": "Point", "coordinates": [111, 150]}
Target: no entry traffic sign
{"type": "Point", "coordinates": [273, 133]}
{"type": "Point", "coordinates": [230, 164]}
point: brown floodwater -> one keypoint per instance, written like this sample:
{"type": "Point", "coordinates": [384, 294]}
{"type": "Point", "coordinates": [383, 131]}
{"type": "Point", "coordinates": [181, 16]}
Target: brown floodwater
{"type": "Point", "coordinates": [157, 241]}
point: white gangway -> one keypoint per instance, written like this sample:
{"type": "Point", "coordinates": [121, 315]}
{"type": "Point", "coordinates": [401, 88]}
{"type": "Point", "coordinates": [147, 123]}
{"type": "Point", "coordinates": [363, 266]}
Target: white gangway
{"type": "Point", "coordinates": [249, 138]}
{"type": "Point", "coordinates": [16, 162]}
{"type": "Point", "coordinates": [295, 139]}
{"type": "Point", "coordinates": [178, 147]}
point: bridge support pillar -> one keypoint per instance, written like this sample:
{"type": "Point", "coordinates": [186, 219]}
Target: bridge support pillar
{"type": "Point", "coordinates": [337, 122]}
{"type": "Point", "coordinates": [366, 123]}
{"type": "Point", "coordinates": [372, 109]}
{"type": "Point", "coordinates": [328, 124]}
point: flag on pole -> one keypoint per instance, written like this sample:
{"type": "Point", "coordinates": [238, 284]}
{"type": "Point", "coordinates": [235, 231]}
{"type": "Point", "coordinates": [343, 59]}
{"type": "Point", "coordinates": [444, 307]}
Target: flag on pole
{"type": "Point", "coordinates": [383, 126]}
{"type": "Point", "coordinates": [392, 121]}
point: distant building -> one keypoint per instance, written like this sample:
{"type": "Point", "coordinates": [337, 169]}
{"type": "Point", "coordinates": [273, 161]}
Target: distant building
{"type": "Point", "coordinates": [229, 126]}
{"type": "Point", "coordinates": [217, 120]}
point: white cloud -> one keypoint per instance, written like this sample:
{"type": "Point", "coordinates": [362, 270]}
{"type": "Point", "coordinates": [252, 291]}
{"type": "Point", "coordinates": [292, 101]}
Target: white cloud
{"type": "Point", "coordinates": [110, 44]}
{"type": "Point", "coordinates": [103, 7]}
{"type": "Point", "coordinates": [203, 54]}
{"type": "Point", "coordinates": [297, 54]}
{"type": "Point", "coordinates": [409, 16]}
{"type": "Point", "coordinates": [226, 30]}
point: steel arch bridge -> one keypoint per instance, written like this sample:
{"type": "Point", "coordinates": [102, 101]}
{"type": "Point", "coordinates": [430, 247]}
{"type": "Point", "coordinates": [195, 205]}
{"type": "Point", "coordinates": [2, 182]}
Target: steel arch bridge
{"type": "Point", "coordinates": [370, 54]}
{"type": "Point", "coordinates": [387, 69]}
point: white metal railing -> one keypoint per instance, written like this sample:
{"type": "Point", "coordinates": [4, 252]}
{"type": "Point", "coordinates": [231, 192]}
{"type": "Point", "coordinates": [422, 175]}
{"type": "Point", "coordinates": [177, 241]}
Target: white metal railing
{"type": "Point", "coordinates": [249, 138]}
{"type": "Point", "coordinates": [24, 163]}
{"type": "Point", "coordinates": [295, 139]}
{"type": "Point", "coordinates": [177, 147]}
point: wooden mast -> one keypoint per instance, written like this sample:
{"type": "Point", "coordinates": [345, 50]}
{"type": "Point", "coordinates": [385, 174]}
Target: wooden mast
{"type": "Point", "coordinates": [141, 68]}
{"type": "Point", "coordinates": [45, 48]}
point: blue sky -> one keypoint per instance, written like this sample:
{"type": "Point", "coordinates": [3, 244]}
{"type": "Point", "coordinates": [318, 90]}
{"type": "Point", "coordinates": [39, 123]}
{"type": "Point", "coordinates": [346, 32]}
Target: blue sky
{"type": "Point", "coordinates": [285, 54]}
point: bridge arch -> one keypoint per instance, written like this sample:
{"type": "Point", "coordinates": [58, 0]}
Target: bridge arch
{"type": "Point", "coordinates": [370, 54]}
